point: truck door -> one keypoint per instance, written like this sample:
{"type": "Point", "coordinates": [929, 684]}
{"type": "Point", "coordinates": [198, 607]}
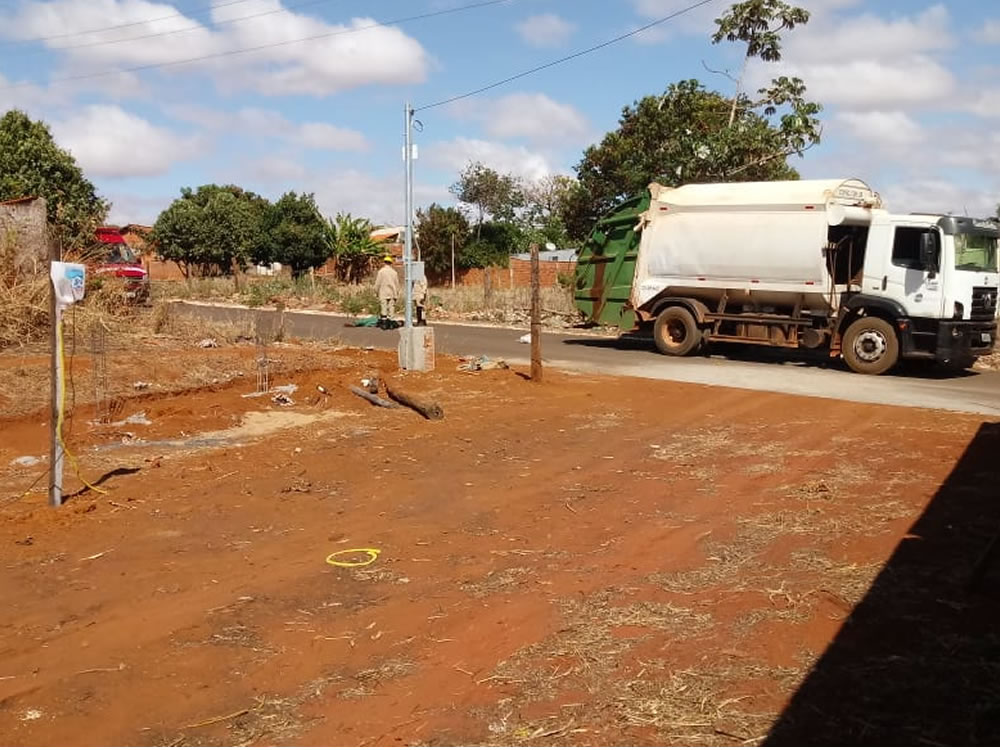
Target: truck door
{"type": "Point", "coordinates": [912, 274]}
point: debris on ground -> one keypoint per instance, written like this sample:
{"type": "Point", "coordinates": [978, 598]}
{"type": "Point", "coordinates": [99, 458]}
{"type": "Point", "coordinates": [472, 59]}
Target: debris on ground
{"type": "Point", "coordinates": [370, 321]}
{"type": "Point", "coordinates": [482, 362]}
{"type": "Point", "coordinates": [141, 385]}
{"type": "Point", "coordinates": [208, 344]}
{"type": "Point", "coordinates": [525, 339]}
{"type": "Point", "coordinates": [371, 398]}
{"type": "Point", "coordinates": [282, 399]}
{"type": "Point", "coordinates": [370, 383]}
{"type": "Point", "coordinates": [26, 461]}
{"type": "Point", "coordinates": [288, 389]}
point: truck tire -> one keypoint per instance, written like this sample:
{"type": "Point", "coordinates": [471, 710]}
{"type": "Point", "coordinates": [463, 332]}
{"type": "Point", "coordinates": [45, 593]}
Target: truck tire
{"type": "Point", "coordinates": [676, 332]}
{"type": "Point", "coordinates": [870, 346]}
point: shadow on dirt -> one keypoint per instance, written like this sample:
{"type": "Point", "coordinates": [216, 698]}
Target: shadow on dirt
{"type": "Point", "coordinates": [804, 358]}
{"type": "Point", "coordinates": [918, 660]}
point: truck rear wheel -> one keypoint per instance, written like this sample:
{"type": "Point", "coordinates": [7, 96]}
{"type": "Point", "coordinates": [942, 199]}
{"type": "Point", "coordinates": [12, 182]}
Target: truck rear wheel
{"type": "Point", "coordinates": [870, 346]}
{"type": "Point", "coordinates": [676, 332]}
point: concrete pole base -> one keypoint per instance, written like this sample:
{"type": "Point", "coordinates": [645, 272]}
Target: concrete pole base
{"type": "Point", "coordinates": [416, 349]}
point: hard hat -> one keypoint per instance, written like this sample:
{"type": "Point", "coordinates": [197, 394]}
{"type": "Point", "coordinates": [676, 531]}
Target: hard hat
{"type": "Point", "coordinates": [388, 259]}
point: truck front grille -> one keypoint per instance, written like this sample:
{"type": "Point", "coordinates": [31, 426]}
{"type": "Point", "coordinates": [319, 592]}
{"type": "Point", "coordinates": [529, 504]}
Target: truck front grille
{"type": "Point", "coordinates": [984, 303]}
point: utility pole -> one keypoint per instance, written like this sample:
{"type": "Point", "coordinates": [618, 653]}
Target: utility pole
{"type": "Point", "coordinates": [536, 316]}
{"type": "Point", "coordinates": [408, 246]}
{"type": "Point", "coordinates": [452, 260]}
{"type": "Point", "coordinates": [56, 389]}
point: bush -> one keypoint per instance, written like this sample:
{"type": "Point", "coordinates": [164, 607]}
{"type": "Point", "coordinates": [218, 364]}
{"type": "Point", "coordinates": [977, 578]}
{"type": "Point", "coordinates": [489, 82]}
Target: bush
{"type": "Point", "coordinates": [361, 300]}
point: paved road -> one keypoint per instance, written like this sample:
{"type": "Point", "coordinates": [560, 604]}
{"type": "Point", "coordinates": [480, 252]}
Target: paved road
{"type": "Point", "coordinates": [753, 368]}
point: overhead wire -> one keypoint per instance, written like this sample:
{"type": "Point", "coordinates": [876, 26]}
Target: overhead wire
{"type": "Point", "coordinates": [270, 45]}
{"type": "Point", "coordinates": [567, 58]}
{"type": "Point", "coordinates": [196, 27]}
{"type": "Point", "coordinates": [126, 25]}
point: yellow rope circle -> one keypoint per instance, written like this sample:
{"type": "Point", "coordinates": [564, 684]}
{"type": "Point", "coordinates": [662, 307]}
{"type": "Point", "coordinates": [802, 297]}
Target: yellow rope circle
{"type": "Point", "coordinates": [370, 551]}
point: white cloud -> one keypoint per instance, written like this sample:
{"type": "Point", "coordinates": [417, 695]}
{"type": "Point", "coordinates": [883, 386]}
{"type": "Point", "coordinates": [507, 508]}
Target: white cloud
{"type": "Point", "coordinates": [128, 208]}
{"type": "Point", "coordinates": [349, 54]}
{"type": "Point", "coordinates": [454, 155]}
{"type": "Point", "coordinates": [941, 195]}
{"type": "Point", "coordinates": [545, 30]}
{"type": "Point", "coordinates": [107, 141]}
{"type": "Point", "coordinates": [990, 32]}
{"type": "Point", "coordinates": [895, 131]}
{"type": "Point", "coordinates": [535, 117]}
{"type": "Point", "coordinates": [272, 124]}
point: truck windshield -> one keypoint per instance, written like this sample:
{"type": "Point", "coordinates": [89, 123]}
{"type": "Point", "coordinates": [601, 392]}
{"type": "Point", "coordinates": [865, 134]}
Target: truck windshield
{"type": "Point", "coordinates": [975, 252]}
{"type": "Point", "coordinates": [118, 253]}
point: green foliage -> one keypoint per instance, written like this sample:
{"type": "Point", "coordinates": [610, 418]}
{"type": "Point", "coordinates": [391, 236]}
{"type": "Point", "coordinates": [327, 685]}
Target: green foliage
{"type": "Point", "coordinates": [362, 300]}
{"type": "Point", "coordinates": [297, 234]}
{"type": "Point", "coordinates": [32, 164]}
{"type": "Point", "coordinates": [758, 24]}
{"type": "Point", "coordinates": [546, 205]}
{"type": "Point", "coordinates": [437, 228]}
{"type": "Point", "coordinates": [691, 134]}
{"type": "Point", "coordinates": [498, 196]}
{"type": "Point", "coordinates": [352, 245]}
{"type": "Point", "coordinates": [212, 229]}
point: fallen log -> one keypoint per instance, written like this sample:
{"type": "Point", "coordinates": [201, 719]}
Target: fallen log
{"type": "Point", "coordinates": [426, 409]}
{"type": "Point", "coordinates": [372, 398]}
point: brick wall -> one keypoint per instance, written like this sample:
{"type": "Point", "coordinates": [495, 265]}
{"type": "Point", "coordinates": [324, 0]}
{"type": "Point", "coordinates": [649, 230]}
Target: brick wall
{"type": "Point", "coordinates": [518, 275]}
{"type": "Point", "coordinates": [24, 235]}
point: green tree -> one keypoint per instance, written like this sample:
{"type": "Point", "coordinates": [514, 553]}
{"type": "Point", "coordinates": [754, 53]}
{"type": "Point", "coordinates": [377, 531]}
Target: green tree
{"type": "Point", "coordinates": [496, 242]}
{"type": "Point", "coordinates": [213, 229]}
{"type": "Point", "coordinates": [691, 134]}
{"type": "Point", "coordinates": [546, 202]}
{"type": "Point", "coordinates": [352, 245]}
{"type": "Point", "coordinates": [297, 234]}
{"type": "Point", "coordinates": [437, 229]}
{"type": "Point", "coordinates": [32, 164]}
{"type": "Point", "coordinates": [491, 194]}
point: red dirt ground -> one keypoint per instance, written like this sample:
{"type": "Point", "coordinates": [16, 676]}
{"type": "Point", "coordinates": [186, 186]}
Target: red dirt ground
{"type": "Point", "coordinates": [587, 561]}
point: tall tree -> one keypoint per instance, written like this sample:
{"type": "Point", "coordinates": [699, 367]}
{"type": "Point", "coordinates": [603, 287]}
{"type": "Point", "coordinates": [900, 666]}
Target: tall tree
{"type": "Point", "coordinates": [212, 229]}
{"type": "Point", "coordinates": [546, 202]}
{"type": "Point", "coordinates": [491, 194]}
{"type": "Point", "coordinates": [438, 230]}
{"type": "Point", "coordinates": [352, 245]}
{"type": "Point", "coordinates": [32, 164]}
{"type": "Point", "coordinates": [692, 134]}
{"type": "Point", "coordinates": [297, 234]}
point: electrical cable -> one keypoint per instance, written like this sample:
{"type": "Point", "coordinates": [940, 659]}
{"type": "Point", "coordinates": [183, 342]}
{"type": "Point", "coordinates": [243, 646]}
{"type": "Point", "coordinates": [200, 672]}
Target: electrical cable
{"type": "Point", "coordinates": [567, 58]}
{"type": "Point", "coordinates": [197, 27]}
{"type": "Point", "coordinates": [124, 25]}
{"type": "Point", "coordinates": [259, 47]}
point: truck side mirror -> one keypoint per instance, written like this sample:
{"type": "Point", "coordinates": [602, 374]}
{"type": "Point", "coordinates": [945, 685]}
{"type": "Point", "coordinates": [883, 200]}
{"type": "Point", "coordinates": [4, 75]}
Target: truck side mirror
{"type": "Point", "coordinates": [929, 251]}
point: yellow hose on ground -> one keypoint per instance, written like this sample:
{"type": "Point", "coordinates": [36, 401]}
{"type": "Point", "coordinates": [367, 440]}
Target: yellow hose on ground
{"type": "Point", "coordinates": [370, 551]}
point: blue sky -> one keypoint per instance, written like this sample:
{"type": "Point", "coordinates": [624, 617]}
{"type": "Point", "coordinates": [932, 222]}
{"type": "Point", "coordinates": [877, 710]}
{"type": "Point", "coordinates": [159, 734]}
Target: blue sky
{"type": "Point", "coordinates": [911, 91]}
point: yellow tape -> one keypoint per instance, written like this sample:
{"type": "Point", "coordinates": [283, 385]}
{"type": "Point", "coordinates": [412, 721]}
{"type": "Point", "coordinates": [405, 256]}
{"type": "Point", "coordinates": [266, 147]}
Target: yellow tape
{"type": "Point", "coordinates": [370, 551]}
{"type": "Point", "coordinates": [62, 406]}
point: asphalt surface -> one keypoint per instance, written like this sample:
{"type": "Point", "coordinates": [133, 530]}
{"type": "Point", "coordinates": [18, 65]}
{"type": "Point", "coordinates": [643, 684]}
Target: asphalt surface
{"type": "Point", "coordinates": [749, 367]}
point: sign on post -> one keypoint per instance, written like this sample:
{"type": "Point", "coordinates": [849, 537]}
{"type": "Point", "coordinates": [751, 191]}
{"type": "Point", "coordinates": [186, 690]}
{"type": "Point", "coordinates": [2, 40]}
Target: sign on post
{"type": "Point", "coordinates": [69, 282]}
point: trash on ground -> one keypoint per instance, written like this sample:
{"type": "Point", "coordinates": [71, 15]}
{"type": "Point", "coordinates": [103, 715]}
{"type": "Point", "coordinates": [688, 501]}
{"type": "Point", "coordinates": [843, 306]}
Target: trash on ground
{"type": "Point", "coordinates": [141, 385]}
{"type": "Point", "coordinates": [137, 418]}
{"type": "Point", "coordinates": [288, 389]}
{"type": "Point", "coordinates": [26, 461]}
{"type": "Point", "coordinates": [282, 399]}
{"type": "Point", "coordinates": [321, 389]}
{"type": "Point", "coordinates": [525, 339]}
{"type": "Point", "coordinates": [208, 344]}
{"type": "Point", "coordinates": [370, 383]}
{"type": "Point", "coordinates": [482, 362]}
{"type": "Point", "coordinates": [370, 321]}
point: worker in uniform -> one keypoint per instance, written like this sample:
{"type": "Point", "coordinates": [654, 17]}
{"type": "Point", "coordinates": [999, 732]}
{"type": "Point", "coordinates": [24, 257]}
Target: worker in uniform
{"type": "Point", "coordinates": [420, 299]}
{"type": "Point", "coordinates": [387, 290]}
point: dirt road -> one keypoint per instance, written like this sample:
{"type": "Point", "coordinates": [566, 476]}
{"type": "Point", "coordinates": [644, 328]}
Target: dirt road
{"type": "Point", "coordinates": [590, 561]}
{"type": "Point", "coordinates": [753, 368]}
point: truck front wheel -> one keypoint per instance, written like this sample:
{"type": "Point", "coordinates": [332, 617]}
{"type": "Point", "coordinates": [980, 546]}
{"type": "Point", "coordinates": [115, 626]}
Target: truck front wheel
{"type": "Point", "coordinates": [676, 332]}
{"type": "Point", "coordinates": [871, 346]}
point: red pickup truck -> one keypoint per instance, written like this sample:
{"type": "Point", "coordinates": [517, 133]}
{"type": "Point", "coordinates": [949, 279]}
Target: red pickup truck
{"type": "Point", "coordinates": [113, 257]}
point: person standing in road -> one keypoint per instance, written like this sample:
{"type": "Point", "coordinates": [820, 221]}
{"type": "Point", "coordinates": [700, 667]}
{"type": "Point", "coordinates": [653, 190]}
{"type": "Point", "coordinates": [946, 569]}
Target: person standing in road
{"type": "Point", "coordinates": [420, 300]}
{"type": "Point", "coordinates": [387, 290]}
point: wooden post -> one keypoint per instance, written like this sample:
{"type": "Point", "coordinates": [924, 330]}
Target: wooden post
{"type": "Point", "coordinates": [55, 391]}
{"type": "Point", "coordinates": [536, 316]}
{"type": "Point", "coordinates": [453, 260]}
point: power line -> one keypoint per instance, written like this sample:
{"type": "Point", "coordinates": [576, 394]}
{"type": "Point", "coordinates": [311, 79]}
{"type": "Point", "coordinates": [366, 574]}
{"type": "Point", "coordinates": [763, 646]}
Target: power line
{"type": "Point", "coordinates": [259, 47]}
{"type": "Point", "coordinates": [226, 22]}
{"type": "Point", "coordinates": [125, 25]}
{"type": "Point", "coordinates": [567, 58]}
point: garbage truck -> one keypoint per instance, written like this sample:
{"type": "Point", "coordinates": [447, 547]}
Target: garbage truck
{"type": "Point", "coordinates": [819, 264]}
